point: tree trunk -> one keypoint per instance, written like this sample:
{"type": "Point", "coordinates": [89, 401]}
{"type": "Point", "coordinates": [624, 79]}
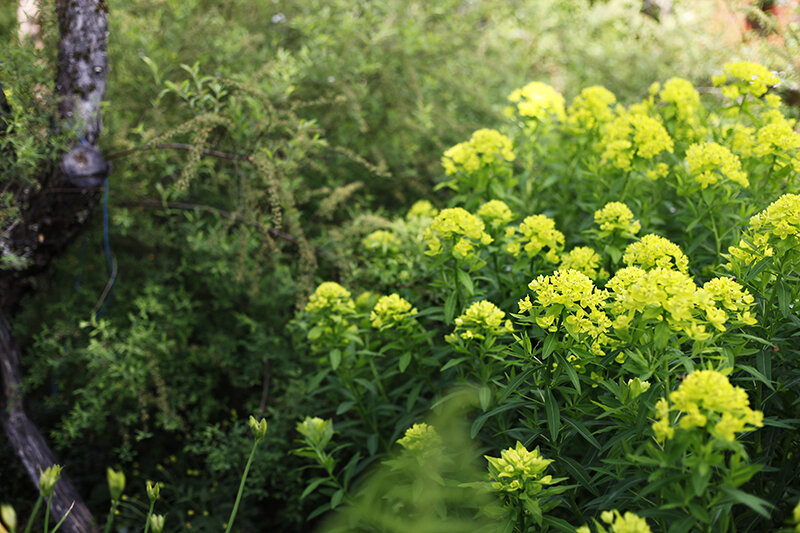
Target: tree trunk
{"type": "Point", "coordinates": [28, 442]}
{"type": "Point", "coordinates": [52, 217]}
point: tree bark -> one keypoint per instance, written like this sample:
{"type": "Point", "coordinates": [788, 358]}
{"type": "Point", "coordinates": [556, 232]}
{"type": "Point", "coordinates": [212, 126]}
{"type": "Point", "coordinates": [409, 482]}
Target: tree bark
{"type": "Point", "coordinates": [28, 442]}
{"type": "Point", "coordinates": [51, 217]}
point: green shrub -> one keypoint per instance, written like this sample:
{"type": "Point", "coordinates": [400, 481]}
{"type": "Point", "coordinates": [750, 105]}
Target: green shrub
{"type": "Point", "coordinates": [640, 361]}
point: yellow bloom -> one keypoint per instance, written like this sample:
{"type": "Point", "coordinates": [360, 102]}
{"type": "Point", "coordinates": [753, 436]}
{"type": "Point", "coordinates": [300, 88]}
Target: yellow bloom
{"type": "Point", "coordinates": [391, 311]}
{"type": "Point", "coordinates": [485, 148]}
{"type": "Point", "coordinates": [616, 216]}
{"type": "Point", "coordinates": [743, 78]}
{"type": "Point", "coordinates": [539, 101]}
{"type": "Point", "coordinates": [480, 320]}
{"type": "Point", "coordinates": [518, 469]}
{"type": "Point", "coordinates": [707, 399]}
{"type": "Point", "coordinates": [654, 251]}
{"type": "Point", "coordinates": [460, 229]}
{"type": "Point", "coordinates": [330, 297]}
{"type": "Point", "coordinates": [572, 293]}
{"type": "Point", "coordinates": [590, 109]}
{"type": "Point", "coordinates": [585, 260]}
{"type": "Point", "coordinates": [422, 440]}
{"type": "Point", "coordinates": [495, 213]}
{"type": "Point", "coordinates": [381, 241]}
{"type": "Point", "coordinates": [709, 161]}
{"type": "Point", "coordinates": [535, 234]}
{"type": "Point", "coordinates": [633, 134]}
{"type": "Point", "coordinates": [422, 208]}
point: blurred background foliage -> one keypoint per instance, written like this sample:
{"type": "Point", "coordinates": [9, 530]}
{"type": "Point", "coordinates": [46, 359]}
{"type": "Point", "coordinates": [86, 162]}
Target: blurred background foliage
{"type": "Point", "coordinates": [242, 134]}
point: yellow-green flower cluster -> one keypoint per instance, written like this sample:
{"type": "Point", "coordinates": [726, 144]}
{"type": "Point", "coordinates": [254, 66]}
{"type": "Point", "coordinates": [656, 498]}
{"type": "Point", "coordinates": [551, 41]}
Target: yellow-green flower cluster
{"type": "Point", "coordinates": [519, 470]}
{"type": "Point", "coordinates": [660, 294]}
{"type": "Point", "coordinates": [535, 234]}
{"type": "Point", "coordinates": [584, 260]}
{"type": "Point", "coordinates": [318, 432]}
{"type": "Point", "coordinates": [422, 208]}
{"type": "Point", "coordinates": [621, 523]}
{"type": "Point", "coordinates": [590, 109]}
{"type": "Point", "coordinates": [459, 229]}
{"type": "Point", "coordinates": [682, 94]}
{"type": "Point", "coordinates": [776, 227]}
{"type": "Point", "coordinates": [796, 516]}
{"type": "Point", "coordinates": [743, 140]}
{"type": "Point", "coordinates": [779, 139]}
{"type": "Point", "coordinates": [752, 250]}
{"type": "Point", "coordinates": [729, 297]}
{"type": "Point", "coordinates": [634, 134]}
{"type": "Point", "coordinates": [331, 298]}
{"type": "Point", "coordinates": [390, 311]}
{"type": "Point", "coordinates": [381, 241]}
{"type": "Point", "coordinates": [743, 78]}
{"type": "Point", "coordinates": [421, 440]}
{"type": "Point", "coordinates": [480, 320]}
{"type": "Point", "coordinates": [685, 101]}
{"type": "Point", "coordinates": [538, 101]}
{"type": "Point", "coordinates": [709, 161]}
{"type": "Point", "coordinates": [781, 218]}
{"type": "Point", "coordinates": [485, 148]}
{"type": "Point", "coordinates": [495, 213]}
{"type": "Point", "coordinates": [616, 216]}
{"type": "Point", "coordinates": [706, 399]}
{"type": "Point", "coordinates": [330, 308]}
{"type": "Point", "coordinates": [654, 251]}
{"type": "Point", "coordinates": [573, 294]}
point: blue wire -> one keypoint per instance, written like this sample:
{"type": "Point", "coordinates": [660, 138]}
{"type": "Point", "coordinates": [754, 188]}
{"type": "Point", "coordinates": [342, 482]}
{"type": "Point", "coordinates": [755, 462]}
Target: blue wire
{"type": "Point", "coordinates": [107, 245]}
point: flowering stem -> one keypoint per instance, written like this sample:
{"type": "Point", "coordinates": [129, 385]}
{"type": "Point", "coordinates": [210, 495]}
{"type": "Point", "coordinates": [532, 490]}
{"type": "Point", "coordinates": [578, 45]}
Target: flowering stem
{"type": "Point", "coordinates": [47, 515]}
{"type": "Point", "coordinates": [241, 488]}
{"type": "Point", "coordinates": [111, 513]}
{"type": "Point", "coordinates": [149, 514]}
{"type": "Point", "coordinates": [33, 514]}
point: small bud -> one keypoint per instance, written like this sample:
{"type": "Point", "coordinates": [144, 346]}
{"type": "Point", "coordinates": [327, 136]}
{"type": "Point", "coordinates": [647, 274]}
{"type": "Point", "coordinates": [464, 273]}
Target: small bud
{"type": "Point", "coordinates": [153, 490]}
{"type": "Point", "coordinates": [48, 480]}
{"type": "Point", "coordinates": [157, 523]}
{"type": "Point", "coordinates": [607, 516]}
{"type": "Point", "coordinates": [9, 517]}
{"type": "Point", "coordinates": [259, 428]}
{"type": "Point", "coordinates": [116, 484]}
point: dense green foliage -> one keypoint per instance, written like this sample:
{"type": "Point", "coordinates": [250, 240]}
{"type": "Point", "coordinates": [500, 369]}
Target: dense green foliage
{"type": "Point", "coordinates": [253, 145]}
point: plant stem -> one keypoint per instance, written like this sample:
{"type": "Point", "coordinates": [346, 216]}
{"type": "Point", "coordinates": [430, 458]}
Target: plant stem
{"type": "Point", "coordinates": [33, 514]}
{"type": "Point", "coordinates": [149, 514]}
{"type": "Point", "coordinates": [47, 515]}
{"type": "Point", "coordinates": [241, 488]}
{"type": "Point", "coordinates": [111, 513]}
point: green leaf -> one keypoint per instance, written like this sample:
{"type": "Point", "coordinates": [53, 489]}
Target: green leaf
{"type": "Point", "coordinates": [453, 362]}
{"type": "Point", "coordinates": [550, 343]}
{"type": "Point", "coordinates": [336, 499]}
{"type": "Point", "coordinates": [584, 431]}
{"type": "Point", "coordinates": [312, 486]}
{"type": "Point", "coordinates": [753, 502]}
{"type": "Point", "coordinates": [405, 360]}
{"type": "Point", "coordinates": [465, 281]}
{"type": "Point", "coordinates": [450, 306]}
{"type": "Point", "coordinates": [413, 395]}
{"type": "Point", "coordinates": [485, 397]}
{"type": "Point", "coordinates": [758, 375]}
{"type": "Point", "coordinates": [481, 420]}
{"type": "Point", "coordinates": [336, 358]}
{"type": "Point", "coordinates": [553, 415]}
